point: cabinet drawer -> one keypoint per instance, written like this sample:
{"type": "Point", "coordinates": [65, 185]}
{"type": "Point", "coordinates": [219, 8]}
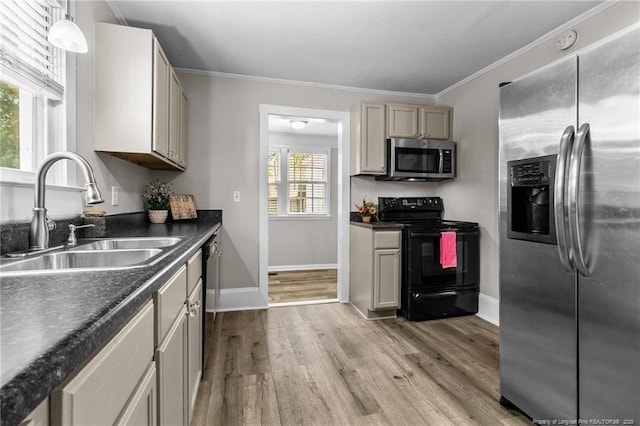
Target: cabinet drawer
{"type": "Point", "coordinates": [386, 239]}
{"type": "Point", "coordinates": [169, 300]}
{"type": "Point", "coordinates": [100, 391]}
{"type": "Point", "coordinates": [194, 271]}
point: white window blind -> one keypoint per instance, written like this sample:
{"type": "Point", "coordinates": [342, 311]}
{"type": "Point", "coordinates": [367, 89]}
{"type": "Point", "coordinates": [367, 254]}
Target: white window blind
{"type": "Point", "coordinates": [25, 53]}
{"type": "Point", "coordinates": [298, 182]}
{"type": "Point", "coordinates": [307, 182]}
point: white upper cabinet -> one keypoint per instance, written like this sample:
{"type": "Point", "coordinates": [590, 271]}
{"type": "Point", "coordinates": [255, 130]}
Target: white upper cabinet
{"type": "Point", "coordinates": [368, 139]}
{"type": "Point", "coordinates": [418, 122]}
{"type": "Point", "coordinates": [139, 100]}
{"type": "Point", "coordinates": [402, 121]}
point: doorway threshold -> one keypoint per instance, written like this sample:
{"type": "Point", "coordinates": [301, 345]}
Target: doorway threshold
{"type": "Point", "coordinates": [303, 302]}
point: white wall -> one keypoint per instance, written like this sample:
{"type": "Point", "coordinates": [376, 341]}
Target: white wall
{"type": "Point", "coordinates": [299, 242]}
{"type": "Point", "coordinates": [474, 196]}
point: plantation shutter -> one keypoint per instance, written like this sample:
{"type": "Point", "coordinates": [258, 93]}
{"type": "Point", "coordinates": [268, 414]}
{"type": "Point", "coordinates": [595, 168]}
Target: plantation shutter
{"type": "Point", "coordinates": [25, 53]}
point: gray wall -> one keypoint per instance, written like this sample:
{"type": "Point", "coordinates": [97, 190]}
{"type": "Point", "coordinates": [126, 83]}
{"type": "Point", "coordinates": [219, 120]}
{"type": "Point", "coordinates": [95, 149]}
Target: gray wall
{"type": "Point", "coordinates": [224, 145]}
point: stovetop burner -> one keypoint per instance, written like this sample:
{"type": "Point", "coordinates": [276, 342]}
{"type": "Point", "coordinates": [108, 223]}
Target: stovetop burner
{"type": "Point", "coordinates": [419, 212]}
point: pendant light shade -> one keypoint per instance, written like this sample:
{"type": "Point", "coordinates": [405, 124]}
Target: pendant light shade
{"type": "Point", "coordinates": [66, 35]}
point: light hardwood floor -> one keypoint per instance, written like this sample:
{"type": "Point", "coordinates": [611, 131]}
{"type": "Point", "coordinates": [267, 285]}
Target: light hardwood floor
{"type": "Point", "coordinates": [295, 286]}
{"type": "Point", "coordinates": [325, 365]}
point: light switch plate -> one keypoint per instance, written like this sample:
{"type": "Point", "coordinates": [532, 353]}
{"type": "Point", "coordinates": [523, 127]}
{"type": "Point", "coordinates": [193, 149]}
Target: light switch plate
{"type": "Point", "coordinates": [236, 196]}
{"type": "Point", "coordinates": [114, 195]}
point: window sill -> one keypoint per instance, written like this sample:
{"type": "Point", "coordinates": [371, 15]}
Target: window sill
{"type": "Point", "coordinates": [27, 184]}
{"type": "Point", "coordinates": [300, 217]}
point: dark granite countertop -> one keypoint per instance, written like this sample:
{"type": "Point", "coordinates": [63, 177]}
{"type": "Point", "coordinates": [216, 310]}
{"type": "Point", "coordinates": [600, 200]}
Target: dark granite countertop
{"type": "Point", "coordinates": [50, 323]}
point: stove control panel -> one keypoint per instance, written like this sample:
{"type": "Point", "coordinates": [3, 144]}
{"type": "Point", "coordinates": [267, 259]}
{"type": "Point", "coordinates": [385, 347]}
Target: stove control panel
{"type": "Point", "coordinates": [409, 203]}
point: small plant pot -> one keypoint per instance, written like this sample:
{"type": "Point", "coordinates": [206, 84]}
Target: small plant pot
{"type": "Point", "coordinates": [158, 216]}
{"type": "Point", "coordinates": [366, 219]}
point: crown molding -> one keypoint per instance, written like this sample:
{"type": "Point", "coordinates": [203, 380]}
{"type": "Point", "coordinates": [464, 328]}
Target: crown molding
{"type": "Point", "coordinates": [551, 34]}
{"type": "Point", "coordinates": [304, 83]}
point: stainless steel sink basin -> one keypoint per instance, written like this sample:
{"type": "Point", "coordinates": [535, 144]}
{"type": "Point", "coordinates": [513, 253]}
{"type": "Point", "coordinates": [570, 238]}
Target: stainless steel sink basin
{"type": "Point", "coordinates": [129, 243]}
{"type": "Point", "coordinates": [86, 260]}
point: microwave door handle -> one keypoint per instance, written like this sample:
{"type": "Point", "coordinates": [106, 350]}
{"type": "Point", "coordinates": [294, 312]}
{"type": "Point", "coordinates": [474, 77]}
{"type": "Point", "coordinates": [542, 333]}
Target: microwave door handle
{"type": "Point", "coordinates": [441, 165]}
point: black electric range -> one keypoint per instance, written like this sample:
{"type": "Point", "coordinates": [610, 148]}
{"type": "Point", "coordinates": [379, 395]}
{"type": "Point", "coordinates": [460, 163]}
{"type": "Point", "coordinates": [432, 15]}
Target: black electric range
{"type": "Point", "coordinates": [429, 290]}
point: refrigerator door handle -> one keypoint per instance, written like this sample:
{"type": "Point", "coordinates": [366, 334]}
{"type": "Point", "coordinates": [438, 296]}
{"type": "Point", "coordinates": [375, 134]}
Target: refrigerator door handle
{"type": "Point", "coordinates": [562, 168]}
{"type": "Point", "coordinates": [574, 192]}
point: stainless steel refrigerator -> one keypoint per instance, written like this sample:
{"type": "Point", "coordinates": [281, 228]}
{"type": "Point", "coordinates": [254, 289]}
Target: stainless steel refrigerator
{"type": "Point", "coordinates": [570, 236]}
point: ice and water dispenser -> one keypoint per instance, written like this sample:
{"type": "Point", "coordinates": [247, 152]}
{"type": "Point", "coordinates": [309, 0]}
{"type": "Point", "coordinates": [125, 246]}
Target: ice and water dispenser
{"type": "Point", "coordinates": [530, 199]}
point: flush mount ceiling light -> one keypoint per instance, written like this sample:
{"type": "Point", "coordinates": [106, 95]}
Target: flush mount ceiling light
{"type": "Point", "coordinates": [66, 35]}
{"type": "Point", "coordinates": [298, 124]}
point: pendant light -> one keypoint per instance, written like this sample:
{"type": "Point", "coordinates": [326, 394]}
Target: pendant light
{"type": "Point", "coordinates": [66, 35]}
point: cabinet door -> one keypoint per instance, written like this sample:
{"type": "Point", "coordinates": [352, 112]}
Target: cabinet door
{"type": "Point", "coordinates": [434, 123]}
{"type": "Point", "coordinates": [161, 76]}
{"type": "Point", "coordinates": [171, 357]}
{"type": "Point", "coordinates": [141, 409]}
{"type": "Point", "coordinates": [194, 349]}
{"type": "Point", "coordinates": [372, 138]}
{"type": "Point", "coordinates": [102, 388]}
{"type": "Point", "coordinates": [386, 279]}
{"type": "Point", "coordinates": [183, 129]}
{"type": "Point", "coordinates": [402, 121]}
{"type": "Point", "coordinates": [39, 416]}
{"type": "Point", "coordinates": [174, 117]}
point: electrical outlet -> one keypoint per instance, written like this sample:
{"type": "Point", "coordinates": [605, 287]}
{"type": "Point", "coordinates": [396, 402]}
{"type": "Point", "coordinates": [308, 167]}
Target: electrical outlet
{"type": "Point", "coordinates": [114, 195]}
{"type": "Point", "coordinates": [236, 196]}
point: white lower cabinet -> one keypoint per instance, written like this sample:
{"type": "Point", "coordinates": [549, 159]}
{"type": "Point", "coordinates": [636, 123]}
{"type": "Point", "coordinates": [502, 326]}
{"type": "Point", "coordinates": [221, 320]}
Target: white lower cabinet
{"type": "Point", "coordinates": [171, 357]}
{"type": "Point", "coordinates": [142, 407]}
{"type": "Point", "coordinates": [374, 271]}
{"type": "Point", "coordinates": [148, 374]}
{"type": "Point", "coordinates": [102, 390]}
{"type": "Point", "coordinates": [39, 416]}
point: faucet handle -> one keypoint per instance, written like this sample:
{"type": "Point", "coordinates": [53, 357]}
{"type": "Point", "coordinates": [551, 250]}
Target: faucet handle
{"type": "Point", "coordinates": [72, 240]}
{"type": "Point", "coordinates": [51, 225]}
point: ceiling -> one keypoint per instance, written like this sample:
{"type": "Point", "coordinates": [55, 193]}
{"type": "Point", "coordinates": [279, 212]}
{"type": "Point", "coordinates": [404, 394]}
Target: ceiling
{"type": "Point", "coordinates": [420, 47]}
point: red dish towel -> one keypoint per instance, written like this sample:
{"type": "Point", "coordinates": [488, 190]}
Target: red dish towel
{"type": "Point", "coordinates": [448, 257]}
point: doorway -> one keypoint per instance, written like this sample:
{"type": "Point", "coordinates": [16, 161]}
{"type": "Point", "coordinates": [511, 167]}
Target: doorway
{"type": "Point", "coordinates": [303, 204]}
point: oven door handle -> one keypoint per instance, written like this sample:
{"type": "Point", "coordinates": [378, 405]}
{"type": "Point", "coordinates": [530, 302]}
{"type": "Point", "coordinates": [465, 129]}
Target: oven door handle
{"type": "Point", "coordinates": [438, 233]}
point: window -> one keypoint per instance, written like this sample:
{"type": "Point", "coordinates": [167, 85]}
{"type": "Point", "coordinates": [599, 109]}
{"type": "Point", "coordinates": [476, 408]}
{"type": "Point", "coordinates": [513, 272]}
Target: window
{"type": "Point", "coordinates": [298, 182]}
{"type": "Point", "coordinates": [32, 81]}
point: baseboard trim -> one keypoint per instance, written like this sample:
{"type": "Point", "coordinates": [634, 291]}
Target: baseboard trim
{"type": "Point", "coordinates": [489, 309]}
{"type": "Point", "coordinates": [285, 268]}
{"type": "Point", "coordinates": [241, 299]}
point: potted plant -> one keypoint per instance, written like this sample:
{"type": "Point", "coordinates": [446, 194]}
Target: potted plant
{"type": "Point", "coordinates": [367, 211]}
{"type": "Point", "coordinates": [156, 197]}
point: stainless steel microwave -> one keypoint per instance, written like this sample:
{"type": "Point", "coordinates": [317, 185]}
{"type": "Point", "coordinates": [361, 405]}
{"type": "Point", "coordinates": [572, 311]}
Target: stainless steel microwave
{"type": "Point", "coordinates": [420, 160]}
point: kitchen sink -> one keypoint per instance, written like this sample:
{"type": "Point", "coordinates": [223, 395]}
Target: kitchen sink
{"type": "Point", "coordinates": [93, 255]}
{"type": "Point", "coordinates": [128, 243]}
{"type": "Point", "coordinates": [86, 260]}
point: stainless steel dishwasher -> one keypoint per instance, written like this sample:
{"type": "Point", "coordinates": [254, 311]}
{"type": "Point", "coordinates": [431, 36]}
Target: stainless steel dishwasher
{"type": "Point", "coordinates": [212, 253]}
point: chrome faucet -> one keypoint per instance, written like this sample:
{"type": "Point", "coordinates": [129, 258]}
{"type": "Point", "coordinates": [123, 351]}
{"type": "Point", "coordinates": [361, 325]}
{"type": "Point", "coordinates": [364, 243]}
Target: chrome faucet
{"type": "Point", "coordinates": [40, 223]}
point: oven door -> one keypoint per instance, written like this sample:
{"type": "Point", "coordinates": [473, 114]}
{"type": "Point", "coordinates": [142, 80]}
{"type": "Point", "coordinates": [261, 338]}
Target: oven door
{"type": "Point", "coordinates": [423, 270]}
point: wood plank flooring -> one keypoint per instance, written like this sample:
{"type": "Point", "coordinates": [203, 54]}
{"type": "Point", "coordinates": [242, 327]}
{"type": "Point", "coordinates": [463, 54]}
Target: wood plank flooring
{"type": "Point", "coordinates": [325, 365]}
{"type": "Point", "coordinates": [295, 286]}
